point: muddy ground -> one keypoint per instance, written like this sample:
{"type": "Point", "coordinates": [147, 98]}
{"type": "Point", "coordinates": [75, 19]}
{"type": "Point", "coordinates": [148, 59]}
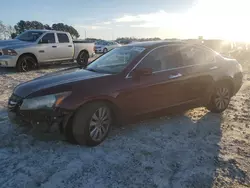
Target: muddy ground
{"type": "Point", "coordinates": [196, 149]}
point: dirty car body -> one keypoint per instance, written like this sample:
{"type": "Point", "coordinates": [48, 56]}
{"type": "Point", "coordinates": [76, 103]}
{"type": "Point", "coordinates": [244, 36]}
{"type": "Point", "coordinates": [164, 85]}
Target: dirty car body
{"type": "Point", "coordinates": [157, 76]}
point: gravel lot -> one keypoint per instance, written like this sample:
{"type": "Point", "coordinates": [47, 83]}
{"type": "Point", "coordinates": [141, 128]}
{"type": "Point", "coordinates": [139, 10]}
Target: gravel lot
{"type": "Point", "coordinates": [194, 149]}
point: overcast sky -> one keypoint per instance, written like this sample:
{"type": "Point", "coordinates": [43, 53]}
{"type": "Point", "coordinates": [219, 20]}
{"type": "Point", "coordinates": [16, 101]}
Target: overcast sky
{"type": "Point", "coordinates": [107, 19]}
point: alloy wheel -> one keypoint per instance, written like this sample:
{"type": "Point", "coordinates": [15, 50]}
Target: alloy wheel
{"type": "Point", "coordinates": [83, 58]}
{"type": "Point", "coordinates": [27, 64]}
{"type": "Point", "coordinates": [222, 98]}
{"type": "Point", "coordinates": [100, 123]}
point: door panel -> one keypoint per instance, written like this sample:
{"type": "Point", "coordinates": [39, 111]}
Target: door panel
{"type": "Point", "coordinates": [198, 83]}
{"type": "Point", "coordinates": [46, 52]}
{"type": "Point", "coordinates": [200, 67]}
{"type": "Point", "coordinates": [46, 48]}
{"type": "Point", "coordinates": [155, 92]}
{"type": "Point", "coordinates": [65, 49]}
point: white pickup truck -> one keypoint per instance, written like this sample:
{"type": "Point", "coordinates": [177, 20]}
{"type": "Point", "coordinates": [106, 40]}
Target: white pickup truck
{"type": "Point", "coordinates": [34, 47]}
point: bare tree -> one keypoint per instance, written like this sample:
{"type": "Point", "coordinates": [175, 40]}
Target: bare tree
{"type": "Point", "coordinates": [2, 29]}
{"type": "Point", "coordinates": [6, 31]}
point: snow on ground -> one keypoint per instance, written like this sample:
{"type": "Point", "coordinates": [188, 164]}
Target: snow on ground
{"type": "Point", "coordinates": [195, 149]}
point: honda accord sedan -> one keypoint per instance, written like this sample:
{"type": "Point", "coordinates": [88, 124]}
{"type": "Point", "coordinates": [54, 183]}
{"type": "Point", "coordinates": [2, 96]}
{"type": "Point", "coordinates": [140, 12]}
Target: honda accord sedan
{"type": "Point", "coordinates": [137, 79]}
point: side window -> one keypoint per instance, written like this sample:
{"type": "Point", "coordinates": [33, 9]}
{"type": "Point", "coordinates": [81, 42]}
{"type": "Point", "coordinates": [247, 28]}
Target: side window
{"type": "Point", "coordinates": [209, 56]}
{"type": "Point", "coordinates": [48, 39]}
{"type": "Point", "coordinates": [63, 38]}
{"type": "Point", "coordinates": [162, 59]}
{"type": "Point", "coordinates": [193, 55]}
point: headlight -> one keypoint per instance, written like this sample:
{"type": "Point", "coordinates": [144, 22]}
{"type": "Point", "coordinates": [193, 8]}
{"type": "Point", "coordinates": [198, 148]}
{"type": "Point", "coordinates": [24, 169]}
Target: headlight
{"type": "Point", "coordinates": [10, 52]}
{"type": "Point", "coordinates": [44, 102]}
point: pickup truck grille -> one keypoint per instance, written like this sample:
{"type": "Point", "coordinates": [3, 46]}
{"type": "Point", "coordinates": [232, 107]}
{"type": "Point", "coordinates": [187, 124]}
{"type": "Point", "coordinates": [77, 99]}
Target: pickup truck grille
{"type": "Point", "coordinates": [14, 102]}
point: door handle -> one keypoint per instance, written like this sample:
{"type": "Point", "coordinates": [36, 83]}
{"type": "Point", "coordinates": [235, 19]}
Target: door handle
{"type": "Point", "coordinates": [54, 46]}
{"type": "Point", "coordinates": [213, 68]}
{"type": "Point", "coordinates": [70, 46]}
{"type": "Point", "coordinates": [175, 76]}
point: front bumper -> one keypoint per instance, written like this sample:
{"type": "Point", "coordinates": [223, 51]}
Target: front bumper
{"type": "Point", "coordinates": [35, 117]}
{"type": "Point", "coordinates": [8, 61]}
{"type": "Point", "coordinates": [98, 51]}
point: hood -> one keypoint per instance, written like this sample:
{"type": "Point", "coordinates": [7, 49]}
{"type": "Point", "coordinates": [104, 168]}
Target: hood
{"type": "Point", "coordinates": [55, 79]}
{"type": "Point", "coordinates": [14, 43]}
{"type": "Point", "coordinates": [99, 46]}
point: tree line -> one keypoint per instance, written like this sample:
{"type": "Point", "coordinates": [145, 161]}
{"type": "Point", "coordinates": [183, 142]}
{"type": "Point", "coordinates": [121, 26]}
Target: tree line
{"type": "Point", "coordinates": [126, 40]}
{"type": "Point", "coordinates": [7, 31]}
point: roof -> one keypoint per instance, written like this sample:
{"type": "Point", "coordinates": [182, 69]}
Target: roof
{"type": "Point", "coordinates": [44, 30]}
{"type": "Point", "coordinates": [155, 43]}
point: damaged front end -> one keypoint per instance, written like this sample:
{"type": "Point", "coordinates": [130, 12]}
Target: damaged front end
{"type": "Point", "coordinates": [42, 112]}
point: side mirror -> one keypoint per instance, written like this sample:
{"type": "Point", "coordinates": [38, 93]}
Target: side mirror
{"type": "Point", "coordinates": [137, 73]}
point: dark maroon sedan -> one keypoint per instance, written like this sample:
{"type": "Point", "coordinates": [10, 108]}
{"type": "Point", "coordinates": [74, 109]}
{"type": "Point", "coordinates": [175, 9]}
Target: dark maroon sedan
{"type": "Point", "coordinates": [128, 81]}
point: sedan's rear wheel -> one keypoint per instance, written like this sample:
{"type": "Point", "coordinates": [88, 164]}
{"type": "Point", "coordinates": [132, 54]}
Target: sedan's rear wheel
{"type": "Point", "coordinates": [220, 99]}
{"type": "Point", "coordinates": [91, 124]}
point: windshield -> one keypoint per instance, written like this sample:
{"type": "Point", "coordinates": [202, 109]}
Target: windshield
{"type": "Point", "coordinates": [30, 36]}
{"type": "Point", "coordinates": [116, 60]}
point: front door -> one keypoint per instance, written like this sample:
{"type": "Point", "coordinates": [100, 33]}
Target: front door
{"type": "Point", "coordinates": [47, 48]}
{"type": "Point", "coordinates": [166, 87]}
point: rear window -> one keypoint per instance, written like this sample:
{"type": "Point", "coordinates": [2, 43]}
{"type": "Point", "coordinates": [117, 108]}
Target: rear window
{"type": "Point", "coordinates": [63, 38]}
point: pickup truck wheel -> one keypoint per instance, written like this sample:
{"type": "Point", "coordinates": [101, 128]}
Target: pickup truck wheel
{"type": "Point", "coordinates": [83, 58]}
{"type": "Point", "coordinates": [25, 63]}
{"type": "Point", "coordinates": [91, 123]}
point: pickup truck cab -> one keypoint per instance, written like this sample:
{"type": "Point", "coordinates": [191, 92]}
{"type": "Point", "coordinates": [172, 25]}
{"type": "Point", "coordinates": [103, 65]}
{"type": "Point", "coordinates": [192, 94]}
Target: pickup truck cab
{"type": "Point", "coordinates": [34, 47]}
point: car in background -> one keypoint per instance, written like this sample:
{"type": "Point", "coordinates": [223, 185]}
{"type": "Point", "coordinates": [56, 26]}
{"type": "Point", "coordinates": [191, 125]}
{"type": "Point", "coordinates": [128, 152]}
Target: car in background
{"type": "Point", "coordinates": [105, 46]}
{"type": "Point", "coordinates": [34, 47]}
{"type": "Point", "coordinates": [132, 80]}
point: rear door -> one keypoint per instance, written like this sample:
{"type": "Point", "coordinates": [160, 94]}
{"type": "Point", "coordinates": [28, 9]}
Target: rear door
{"type": "Point", "coordinates": [199, 63]}
{"type": "Point", "coordinates": [65, 46]}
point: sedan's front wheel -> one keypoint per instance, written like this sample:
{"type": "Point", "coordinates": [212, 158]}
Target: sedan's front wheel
{"type": "Point", "coordinates": [105, 50]}
{"type": "Point", "coordinates": [91, 124]}
{"type": "Point", "coordinates": [220, 99]}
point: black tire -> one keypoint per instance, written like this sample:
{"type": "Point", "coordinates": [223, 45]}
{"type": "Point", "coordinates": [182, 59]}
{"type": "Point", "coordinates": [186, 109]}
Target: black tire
{"type": "Point", "coordinates": [105, 50]}
{"type": "Point", "coordinates": [83, 58]}
{"type": "Point", "coordinates": [221, 98]}
{"type": "Point", "coordinates": [87, 128]}
{"type": "Point", "coordinates": [67, 131]}
{"type": "Point", "coordinates": [26, 63]}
